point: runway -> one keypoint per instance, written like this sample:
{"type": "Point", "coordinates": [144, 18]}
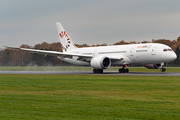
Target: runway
{"type": "Point", "coordinates": [90, 73]}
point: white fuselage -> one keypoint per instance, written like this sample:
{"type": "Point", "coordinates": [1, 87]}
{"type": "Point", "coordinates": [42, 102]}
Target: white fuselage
{"type": "Point", "coordinates": [150, 53]}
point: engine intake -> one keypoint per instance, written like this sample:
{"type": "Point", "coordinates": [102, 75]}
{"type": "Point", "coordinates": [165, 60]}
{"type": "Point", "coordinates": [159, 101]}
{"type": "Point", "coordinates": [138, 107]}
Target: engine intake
{"type": "Point", "coordinates": [153, 66]}
{"type": "Point", "coordinates": [100, 62]}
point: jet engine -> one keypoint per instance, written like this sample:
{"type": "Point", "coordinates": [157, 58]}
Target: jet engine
{"type": "Point", "coordinates": [153, 66]}
{"type": "Point", "coordinates": [100, 62]}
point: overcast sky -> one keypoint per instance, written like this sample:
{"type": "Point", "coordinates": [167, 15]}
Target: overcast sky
{"type": "Point", "coordinates": [88, 21]}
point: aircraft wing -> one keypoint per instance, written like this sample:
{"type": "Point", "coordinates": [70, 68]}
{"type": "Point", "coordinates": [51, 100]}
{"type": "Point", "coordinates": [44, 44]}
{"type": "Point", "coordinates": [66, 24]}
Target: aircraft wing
{"type": "Point", "coordinates": [81, 57]}
{"type": "Point", "coordinates": [55, 53]}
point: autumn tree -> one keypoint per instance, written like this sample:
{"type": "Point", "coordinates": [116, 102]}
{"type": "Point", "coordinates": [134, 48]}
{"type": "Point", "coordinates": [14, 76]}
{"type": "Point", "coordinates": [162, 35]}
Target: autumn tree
{"type": "Point", "coordinates": [178, 39]}
{"type": "Point", "coordinates": [9, 57]}
{"type": "Point", "coordinates": [5, 57]}
{"type": "Point", "coordinates": [120, 43]}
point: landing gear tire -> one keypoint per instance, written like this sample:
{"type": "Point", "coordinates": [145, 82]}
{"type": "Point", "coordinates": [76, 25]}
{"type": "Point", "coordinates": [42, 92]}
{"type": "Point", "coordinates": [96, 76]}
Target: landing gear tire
{"type": "Point", "coordinates": [127, 71]}
{"type": "Point", "coordinates": [94, 70]}
{"type": "Point", "coordinates": [163, 69]}
{"type": "Point", "coordinates": [101, 70]}
{"type": "Point", "coordinates": [120, 70]}
{"type": "Point", "coordinates": [97, 70]}
{"type": "Point", "coordinates": [123, 70]}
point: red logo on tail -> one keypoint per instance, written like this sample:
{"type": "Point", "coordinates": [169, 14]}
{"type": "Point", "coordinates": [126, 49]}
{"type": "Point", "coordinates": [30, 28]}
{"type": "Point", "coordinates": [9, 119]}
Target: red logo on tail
{"type": "Point", "coordinates": [62, 34]}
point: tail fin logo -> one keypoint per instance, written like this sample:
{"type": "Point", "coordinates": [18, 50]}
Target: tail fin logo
{"type": "Point", "coordinates": [62, 34]}
{"type": "Point", "coordinates": [65, 45]}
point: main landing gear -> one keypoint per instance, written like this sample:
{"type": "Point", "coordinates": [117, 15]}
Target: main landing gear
{"type": "Point", "coordinates": [123, 70]}
{"type": "Point", "coordinates": [97, 70]}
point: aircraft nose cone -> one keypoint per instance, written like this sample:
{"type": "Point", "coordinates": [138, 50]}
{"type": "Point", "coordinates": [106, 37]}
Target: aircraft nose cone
{"type": "Point", "coordinates": [173, 56]}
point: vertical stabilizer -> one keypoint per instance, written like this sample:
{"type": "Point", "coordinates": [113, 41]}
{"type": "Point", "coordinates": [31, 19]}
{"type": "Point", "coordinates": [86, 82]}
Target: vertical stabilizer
{"type": "Point", "coordinates": [67, 43]}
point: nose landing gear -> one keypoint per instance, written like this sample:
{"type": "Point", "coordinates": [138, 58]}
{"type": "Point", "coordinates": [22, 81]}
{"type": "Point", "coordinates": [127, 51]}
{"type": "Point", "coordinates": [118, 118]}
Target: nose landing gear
{"type": "Point", "coordinates": [163, 69]}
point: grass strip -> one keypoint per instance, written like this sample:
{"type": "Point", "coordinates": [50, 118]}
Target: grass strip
{"type": "Point", "coordinates": [75, 68]}
{"type": "Point", "coordinates": [89, 97]}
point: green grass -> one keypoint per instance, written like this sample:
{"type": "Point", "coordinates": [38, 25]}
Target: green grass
{"type": "Point", "coordinates": [75, 97]}
{"type": "Point", "coordinates": [75, 68]}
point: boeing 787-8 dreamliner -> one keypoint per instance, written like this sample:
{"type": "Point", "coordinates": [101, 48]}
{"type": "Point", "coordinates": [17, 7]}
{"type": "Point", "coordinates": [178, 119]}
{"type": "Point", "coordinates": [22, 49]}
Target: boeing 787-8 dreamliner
{"type": "Point", "coordinates": [151, 55]}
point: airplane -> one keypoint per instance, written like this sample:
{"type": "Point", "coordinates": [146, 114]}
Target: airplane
{"type": "Point", "coordinates": [151, 55]}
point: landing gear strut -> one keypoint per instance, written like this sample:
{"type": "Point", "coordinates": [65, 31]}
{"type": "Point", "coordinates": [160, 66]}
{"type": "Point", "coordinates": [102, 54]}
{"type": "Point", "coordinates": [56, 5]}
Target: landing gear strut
{"type": "Point", "coordinates": [163, 69]}
{"type": "Point", "coordinates": [123, 70]}
{"type": "Point", "coordinates": [97, 70]}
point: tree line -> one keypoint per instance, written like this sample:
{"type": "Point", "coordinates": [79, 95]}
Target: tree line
{"type": "Point", "coordinates": [15, 57]}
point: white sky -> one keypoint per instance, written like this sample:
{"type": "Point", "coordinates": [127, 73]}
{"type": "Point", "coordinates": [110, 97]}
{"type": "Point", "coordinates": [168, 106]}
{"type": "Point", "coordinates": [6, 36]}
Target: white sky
{"type": "Point", "coordinates": [88, 21]}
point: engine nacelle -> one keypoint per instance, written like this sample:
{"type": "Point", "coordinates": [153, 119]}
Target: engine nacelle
{"type": "Point", "coordinates": [100, 62]}
{"type": "Point", "coordinates": [153, 66]}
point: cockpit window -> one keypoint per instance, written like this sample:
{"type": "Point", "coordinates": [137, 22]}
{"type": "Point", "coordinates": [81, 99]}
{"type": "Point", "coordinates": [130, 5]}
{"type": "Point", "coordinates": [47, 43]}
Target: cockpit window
{"type": "Point", "coordinates": [167, 50]}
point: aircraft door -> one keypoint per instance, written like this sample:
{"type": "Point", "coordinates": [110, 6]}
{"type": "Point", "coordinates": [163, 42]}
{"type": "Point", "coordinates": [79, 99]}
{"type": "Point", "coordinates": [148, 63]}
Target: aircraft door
{"type": "Point", "coordinates": [95, 53]}
{"type": "Point", "coordinates": [154, 50]}
{"type": "Point", "coordinates": [155, 56]}
{"type": "Point", "coordinates": [132, 54]}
